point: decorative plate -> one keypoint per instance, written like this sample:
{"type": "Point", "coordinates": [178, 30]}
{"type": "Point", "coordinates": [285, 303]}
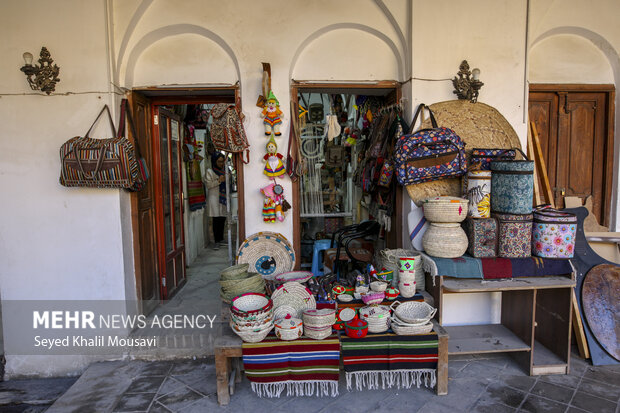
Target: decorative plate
{"type": "Point", "coordinates": [267, 253]}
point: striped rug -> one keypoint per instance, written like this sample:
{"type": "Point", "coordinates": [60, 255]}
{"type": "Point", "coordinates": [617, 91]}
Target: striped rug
{"type": "Point", "coordinates": [304, 367]}
{"type": "Point", "coordinates": [389, 360]}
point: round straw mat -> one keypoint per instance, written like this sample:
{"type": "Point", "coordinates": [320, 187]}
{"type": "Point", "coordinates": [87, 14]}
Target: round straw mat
{"type": "Point", "coordinates": [479, 126]}
{"type": "Point", "coordinates": [267, 253]}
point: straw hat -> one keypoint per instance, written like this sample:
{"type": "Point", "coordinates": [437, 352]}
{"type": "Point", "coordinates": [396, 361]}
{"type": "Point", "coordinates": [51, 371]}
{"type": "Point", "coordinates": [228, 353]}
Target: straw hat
{"type": "Point", "coordinates": [479, 126]}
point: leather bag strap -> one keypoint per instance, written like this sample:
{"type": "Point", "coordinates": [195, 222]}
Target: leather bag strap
{"type": "Point", "coordinates": [106, 109]}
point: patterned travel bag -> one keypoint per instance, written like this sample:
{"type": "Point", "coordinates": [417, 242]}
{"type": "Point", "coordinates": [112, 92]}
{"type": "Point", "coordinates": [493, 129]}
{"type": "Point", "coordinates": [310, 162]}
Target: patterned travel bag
{"type": "Point", "coordinates": [429, 154]}
{"type": "Point", "coordinates": [100, 163]}
{"type": "Point", "coordinates": [482, 235]}
{"type": "Point", "coordinates": [481, 158]}
{"type": "Point", "coordinates": [512, 185]}
{"type": "Point", "coordinates": [553, 233]}
{"type": "Point", "coordinates": [514, 235]}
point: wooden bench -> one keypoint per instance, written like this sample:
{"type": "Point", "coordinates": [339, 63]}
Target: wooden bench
{"type": "Point", "coordinates": [228, 361]}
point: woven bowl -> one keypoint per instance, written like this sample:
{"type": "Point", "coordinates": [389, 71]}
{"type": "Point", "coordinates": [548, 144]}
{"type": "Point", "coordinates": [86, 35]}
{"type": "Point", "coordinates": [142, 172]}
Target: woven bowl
{"type": "Point", "coordinates": [391, 293]}
{"type": "Point", "coordinates": [235, 272]}
{"type": "Point", "coordinates": [408, 331]}
{"type": "Point", "coordinates": [319, 318]}
{"type": "Point", "coordinates": [251, 280]}
{"type": "Point", "coordinates": [356, 328]}
{"type": "Point", "coordinates": [250, 303]}
{"type": "Point", "coordinates": [318, 333]}
{"type": "Point", "coordinates": [345, 298]}
{"type": "Point", "coordinates": [445, 209]}
{"type": "Point", "coordinates": [298, 276]}
{"type": "Point", "coordinates": [289, 328]}
{"type": "Point", "coordinates": [407, 289]}
{"type": "Point", "coordinates": [375, 312]}
{"type": "Point", "coordinates": [361, 289]}
{"type": "Point", "coordinates": [378, 286]}
{"type": "Point", "coordinates": [373, 298]}
{"type": "Point", "coordinates": [413, 312]}
{"type": "Point", "coordinates": [254, 336]}
{"type": "Point", "coordinates": [347, 314]}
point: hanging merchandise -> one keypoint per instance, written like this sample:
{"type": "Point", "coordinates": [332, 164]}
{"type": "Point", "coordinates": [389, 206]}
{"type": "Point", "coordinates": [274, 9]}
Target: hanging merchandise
{"type": "Point", "coordinates": [273, 160]}
{"type": "Point", "coordinates": [334, 155]}
{"type": "Point", "coordinates": [333, 127]}
{"type": "Point", "coordinates": [295, 162]}
{"type": "Point", "coordinates": [429, 154]}
{"type": "Point", "coordinates": [227, 132]}
{"type": "Point", "coordinates": [275, 205]}
{"type": "Point", "coordinates": [272, 116]}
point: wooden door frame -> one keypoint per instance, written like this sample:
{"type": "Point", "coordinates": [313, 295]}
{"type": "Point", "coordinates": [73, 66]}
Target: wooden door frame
{"type": "Point", "coordinates": [190, 96]}
{"type": "Point", "coordinates": [398, 210]}
{"type": "Point", "coordinates": [610, 89]}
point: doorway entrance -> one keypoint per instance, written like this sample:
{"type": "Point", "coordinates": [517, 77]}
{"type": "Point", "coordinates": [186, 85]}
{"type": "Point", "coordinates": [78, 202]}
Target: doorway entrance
{"type": "Point", "coordinates": [576, 131]}
{"type": "Point", "coordinates": [168, 230]}
{"type": "Point", "coordinates": [329, 195]}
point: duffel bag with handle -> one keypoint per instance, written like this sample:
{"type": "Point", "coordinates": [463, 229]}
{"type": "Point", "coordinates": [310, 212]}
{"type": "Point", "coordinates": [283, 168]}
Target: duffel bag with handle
{"type": "Point", "coordinates": [99, 163]}
{"type": "Point", "coordinates": [429, 154]}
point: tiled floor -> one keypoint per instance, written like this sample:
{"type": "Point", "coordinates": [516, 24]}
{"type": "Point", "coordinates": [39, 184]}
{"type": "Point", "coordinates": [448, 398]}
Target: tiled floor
{"type": "Point", "coordinates": [493, 384]}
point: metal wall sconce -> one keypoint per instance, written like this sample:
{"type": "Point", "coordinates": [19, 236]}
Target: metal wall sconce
{"type": "Point", "coordinates": [467, 84]}
{"type": "Point", "coordinates": [45, 74]}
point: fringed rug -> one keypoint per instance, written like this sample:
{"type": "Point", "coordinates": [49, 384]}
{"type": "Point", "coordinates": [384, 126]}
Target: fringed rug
{"type": "Point", "coordinates": [304, 367]}
{"type": "Point", "coordinates": [381, 361]}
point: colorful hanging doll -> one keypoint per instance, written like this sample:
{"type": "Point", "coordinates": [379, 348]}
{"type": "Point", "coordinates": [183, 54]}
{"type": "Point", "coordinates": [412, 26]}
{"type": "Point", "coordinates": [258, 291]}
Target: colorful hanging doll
{"type": "Point", "coordinates": [273, 160]}
{"type": "Point", "coordinates": [274, 205]}
{"type": "Point", "coordinates": [272, 115]}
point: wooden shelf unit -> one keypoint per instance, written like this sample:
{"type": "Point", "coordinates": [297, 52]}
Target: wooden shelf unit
{"type": "Point", "coordinates": [535, 322]}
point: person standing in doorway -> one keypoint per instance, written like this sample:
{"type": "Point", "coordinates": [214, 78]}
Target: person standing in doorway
{"type": "Point", "coordinates": [215, 181]}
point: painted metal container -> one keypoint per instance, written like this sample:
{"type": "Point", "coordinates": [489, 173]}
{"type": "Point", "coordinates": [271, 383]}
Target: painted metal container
{"type": "Point", "coordinates": [479, 194]}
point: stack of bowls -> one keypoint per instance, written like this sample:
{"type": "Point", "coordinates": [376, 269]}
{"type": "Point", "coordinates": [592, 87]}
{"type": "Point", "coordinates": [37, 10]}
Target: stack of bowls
{"type": "Point", "coordinates": [236, 280]}
{"type": "Point", "coordinates": [377, 317]}
{"type": "Point", "coordinates": [445, 238]}
{"type": "Point", "coordinates": [251, 316]}
{"type": "Point", "coordinates": [407, 284]}
{"type": "Point", "coordinates": [318, 323]}
{"type": "Point", "coordinates": [410, 267]}
{"type": "Point", "coordinates": [412, 318]}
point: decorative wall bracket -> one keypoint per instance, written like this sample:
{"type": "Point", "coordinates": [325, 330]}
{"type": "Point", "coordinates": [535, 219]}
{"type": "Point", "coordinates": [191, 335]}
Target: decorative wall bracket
{"type": "Point", "coordinates": [466, 83]}
{"type": "Point", "coordinates": [43, 76]}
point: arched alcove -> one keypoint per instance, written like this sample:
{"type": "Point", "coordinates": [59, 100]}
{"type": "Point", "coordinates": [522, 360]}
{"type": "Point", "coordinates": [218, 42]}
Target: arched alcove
{"type": "Point", "coordinates": [347, 52]}
{"type": "Point", "coordinates": [567, 58]}
{"type": "Point", "coordinates": [181, 54]}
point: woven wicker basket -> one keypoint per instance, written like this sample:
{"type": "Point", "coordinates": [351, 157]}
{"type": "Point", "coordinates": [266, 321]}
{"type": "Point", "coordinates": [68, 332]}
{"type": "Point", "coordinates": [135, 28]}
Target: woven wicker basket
{"type": "Point", "coordinates": [390, 260]}
{"type": "Point", "coordinates": [445, 240]}
{"type": "Point", "coordinates": [254, 336]}
{"type": "Point", "coordinates": [413, 312]}
{"type": "Point", "coordinates": [267, 253]}
{"type": "Point", "coordinates": [378, 286]}
{"type": "Point", "coordinates": [235, 272]}
{"type": "Point", "coordinates": [412, 330]}
{"type": "Point", "coordinates": [289, 329]}
{"type": "Point", "coordinates": [445, 209]}
{"type": "Point", "coordinates": [379, 326]}
{"type": "Point", "coordinates": [319, 318]}
{"type": "Point", "coordinates": [407, 289]}
{"type": "Point", "coordinates": [317, 333]}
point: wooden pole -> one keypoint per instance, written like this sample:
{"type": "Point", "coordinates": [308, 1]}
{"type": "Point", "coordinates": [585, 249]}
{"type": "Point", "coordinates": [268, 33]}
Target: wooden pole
{"type": "Point", "coordinates": [541, 167]}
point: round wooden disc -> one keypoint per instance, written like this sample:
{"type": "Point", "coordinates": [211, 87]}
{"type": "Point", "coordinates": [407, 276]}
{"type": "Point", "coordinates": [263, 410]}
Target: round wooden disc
{"type": "Point", "coordinates": [600, 299]}
{"type": "Point", "coordinates": [479, 126]}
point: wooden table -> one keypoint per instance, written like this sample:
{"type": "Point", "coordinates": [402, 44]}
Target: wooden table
{"type": "Point", "coordinates": [228, 355]}
{"type": "Point", "coordinates": [535, 321]}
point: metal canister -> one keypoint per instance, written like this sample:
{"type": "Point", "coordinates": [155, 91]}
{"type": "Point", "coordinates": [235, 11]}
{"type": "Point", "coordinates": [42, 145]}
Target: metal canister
{"type": "Point", "coordinates": [479, 194]}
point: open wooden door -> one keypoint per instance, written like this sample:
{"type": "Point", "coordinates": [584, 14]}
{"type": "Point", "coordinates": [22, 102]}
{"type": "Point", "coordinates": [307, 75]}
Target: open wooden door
{"type": "Point", "coordinates": [143, 213]}
{"type": "Point", "coordinates": [169, 203]}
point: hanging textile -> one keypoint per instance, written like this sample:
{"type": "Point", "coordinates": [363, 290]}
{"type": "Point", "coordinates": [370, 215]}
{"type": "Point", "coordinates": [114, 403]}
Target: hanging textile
{"type": "Point", "coordinates": [195, 188]}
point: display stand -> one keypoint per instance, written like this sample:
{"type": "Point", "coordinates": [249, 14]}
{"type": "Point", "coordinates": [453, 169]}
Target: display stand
{"type": "Point", "coordinates": [535, 321]}
{"type": "Point", "coordinates": [228, 363]}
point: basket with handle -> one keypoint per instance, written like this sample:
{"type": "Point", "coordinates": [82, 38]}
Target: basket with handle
{"type": "Point", "coordinates": [413, 311]}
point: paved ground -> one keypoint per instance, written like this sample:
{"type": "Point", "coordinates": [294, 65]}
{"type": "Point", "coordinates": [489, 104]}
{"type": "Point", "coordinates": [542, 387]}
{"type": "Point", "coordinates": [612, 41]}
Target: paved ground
{"type": "Point", "coordinates": [493, 384]}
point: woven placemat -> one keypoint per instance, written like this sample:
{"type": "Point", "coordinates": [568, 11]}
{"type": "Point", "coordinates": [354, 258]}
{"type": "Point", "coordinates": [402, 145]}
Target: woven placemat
{"type": "Point", "coordinates": [267, 253]}
{"type": "Point", "coordinates": [479, 126]}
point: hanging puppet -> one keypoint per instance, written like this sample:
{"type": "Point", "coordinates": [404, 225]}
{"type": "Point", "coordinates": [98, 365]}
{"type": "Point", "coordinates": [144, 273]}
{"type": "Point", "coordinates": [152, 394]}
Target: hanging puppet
{"type": "Point", "coordinates": [272, 115]}
{"type": "Point", "coordinates": [274, 205]}
{"type": "Point", "coordinates": [273, 160]}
